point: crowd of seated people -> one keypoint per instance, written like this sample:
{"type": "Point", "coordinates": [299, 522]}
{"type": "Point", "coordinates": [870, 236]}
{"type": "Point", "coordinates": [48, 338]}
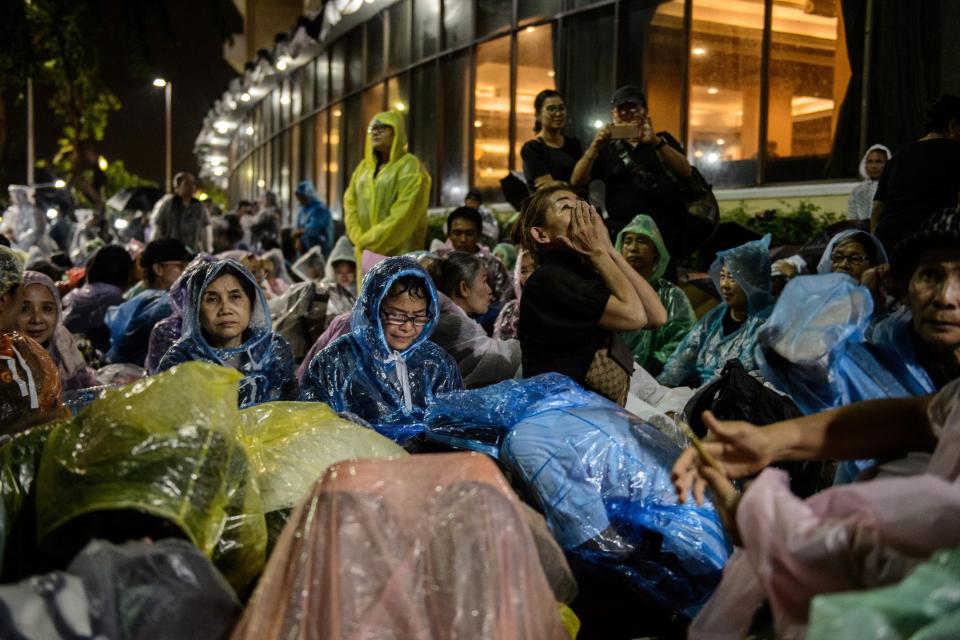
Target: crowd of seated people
{"type": "Point", "coordinates": [874, 319]}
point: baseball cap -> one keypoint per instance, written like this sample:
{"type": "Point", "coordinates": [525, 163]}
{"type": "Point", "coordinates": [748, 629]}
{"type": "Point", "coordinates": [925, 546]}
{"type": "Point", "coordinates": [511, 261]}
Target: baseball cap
{"type": "Point", "coordinates": [628, 93]}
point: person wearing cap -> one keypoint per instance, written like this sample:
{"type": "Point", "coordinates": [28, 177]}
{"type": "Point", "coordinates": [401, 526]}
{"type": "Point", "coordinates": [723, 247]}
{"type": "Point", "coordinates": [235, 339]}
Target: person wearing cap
{"type": "Point", "coordinates": [131, 322]}
{"type": "Point", "coordinates": [385, 204]}
{"type": "Point", "coordinates": [642, 173]}
{"type": "Point", "coordinates": [180, 216]}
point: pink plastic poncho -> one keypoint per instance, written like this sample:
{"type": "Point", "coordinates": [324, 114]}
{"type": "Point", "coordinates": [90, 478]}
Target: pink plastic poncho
{"type": "Point", "coordinates": [847, 538]}
{"type": "Point", "coordinates": [428, 547]}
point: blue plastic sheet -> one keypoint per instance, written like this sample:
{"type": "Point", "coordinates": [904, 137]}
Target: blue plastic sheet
{"type": "Point", "coordinates": [602, 478]}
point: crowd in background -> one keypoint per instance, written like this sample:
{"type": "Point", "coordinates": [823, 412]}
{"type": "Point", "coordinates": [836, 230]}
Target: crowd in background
{"type": "Point", "coordinates": [858, 332]}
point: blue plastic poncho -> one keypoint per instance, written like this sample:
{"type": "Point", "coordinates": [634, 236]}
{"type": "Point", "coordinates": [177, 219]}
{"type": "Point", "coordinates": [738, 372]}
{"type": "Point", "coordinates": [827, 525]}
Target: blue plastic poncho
{"type": "Point", "coordinates": [359, 373]}
{"type": "Point", "coordinates": [601, 477]}
{"type": "Point", "coordinates": [130, 325]}
{"type": "Point", "coordinates": [315, 220]}
{"type": "Point", "coordinates": [264, 358]}
{"type": "Point", "coordinates": [703, 353]}
{"type": "Point", "coordinates": [868, 241]}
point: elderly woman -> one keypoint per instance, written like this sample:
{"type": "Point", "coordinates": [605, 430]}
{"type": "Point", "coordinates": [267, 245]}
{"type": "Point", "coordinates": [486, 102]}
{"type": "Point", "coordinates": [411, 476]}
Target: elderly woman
{"type": "Point", "coordinates": [41, 318]}
{"type": "Point", "coordinates": [729, 330]}
{"type": "Point", "coordinates": [860, 204]}
{"type": "Point", "coordinates": [226, 321]}
{"type": "Point", "coordinates": [464, 295]}
{"type": "Point", "coordinates": [582, 293]}
{"type": "Point", "coordinates": [642, 246]}
{"type": "Point", "coordinates": [386, 371]}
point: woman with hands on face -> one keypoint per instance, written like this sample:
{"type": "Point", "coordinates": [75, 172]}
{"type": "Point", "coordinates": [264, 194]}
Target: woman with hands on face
{"type": "Point", "coordinates": [581, 294]}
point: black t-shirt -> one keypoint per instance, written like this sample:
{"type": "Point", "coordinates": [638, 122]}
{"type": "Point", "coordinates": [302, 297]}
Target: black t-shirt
{"type": "Point", "coordinates": [729, 324]}
{"type": "Point", "coordinates": [920, 179]}
{"type": "Point", "coordinates": [560, 311]}
{"type": "Point", "coordinates": [540, 159]}
{"type": "Point", "coordinates": [642, 187]}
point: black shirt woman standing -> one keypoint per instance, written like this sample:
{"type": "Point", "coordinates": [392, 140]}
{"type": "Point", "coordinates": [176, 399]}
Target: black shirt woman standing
{"type": "Point", "coordinates": [550, 157]}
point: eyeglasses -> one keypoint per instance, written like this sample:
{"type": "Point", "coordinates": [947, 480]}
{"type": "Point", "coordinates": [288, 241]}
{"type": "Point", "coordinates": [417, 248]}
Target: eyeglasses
{"type": "Point", "coordinates": [852, 258]}
{"type": "Point", "coordinates": [555, 108]}
{"type": "Point", "coordinates": [377, 127]}
{"type": "Point", "coordinates": [400, 319]}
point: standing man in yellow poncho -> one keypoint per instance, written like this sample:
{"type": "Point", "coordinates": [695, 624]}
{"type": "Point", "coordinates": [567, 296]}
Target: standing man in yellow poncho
{"type": "Point", "coordinates": [385, 206]}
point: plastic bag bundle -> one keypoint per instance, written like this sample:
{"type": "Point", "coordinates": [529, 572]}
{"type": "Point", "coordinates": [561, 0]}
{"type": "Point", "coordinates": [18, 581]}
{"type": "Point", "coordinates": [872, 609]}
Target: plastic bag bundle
{"type": "Point", "coordinates": [924, 606]}
{"type": "Point", "coordinates": [601, 477]}
{"type": "Point", "coordinates": [136, 591]}
{"type": "Point", "coordinates": [159, 457]}
{"type": "Point", "coordinates": [291, 444]}
{"type": "Point", "coordinates": [429, 547]}
{"type": "Point", "coordinates": [30, 391]}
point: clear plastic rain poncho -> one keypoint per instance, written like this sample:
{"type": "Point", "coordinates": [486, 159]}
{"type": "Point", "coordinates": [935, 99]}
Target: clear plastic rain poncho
{"type": "Point", "coordinates": [652, 348]}
{"type": "Point", "coordinates": [130, 325]}
{"type": "Point", "coordinates": [432, 547]}
{"type": "Point", "coordinates": [702, 354]}
{"type": "Point", "coordinates": [385, 211]}
{"type": "Point", "coordinates": [315, 220]}
{"type": "Point", "coordinates": [600, 475]}
{"type": "Point", "coordinates": [360, 374]}
{"type": "Point", "coordinates": [868, 240]}
{"type": "Point", "coordinates": [264, 358]}
{"type": "Point", "coordinates": [814, 347]}
{"type": "Point", "coordinates": [25, 224]}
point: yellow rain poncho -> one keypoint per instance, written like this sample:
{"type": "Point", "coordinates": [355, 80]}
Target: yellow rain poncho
{"type": "Point", "coordinates": [386, 211]}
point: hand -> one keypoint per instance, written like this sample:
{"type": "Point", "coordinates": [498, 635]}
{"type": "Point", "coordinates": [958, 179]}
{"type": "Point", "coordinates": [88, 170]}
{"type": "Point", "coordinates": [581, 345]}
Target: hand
{"type": "Point", "coordinates": [586, 234]}
{"type": "Point", "coordinates": [740, 448]}
{"type": "Point", "coordinates": [726, 499]}
{"type": "Point", "coordinates": [601, 139]}
{"type": "Point", "coordinates": [647, 133]}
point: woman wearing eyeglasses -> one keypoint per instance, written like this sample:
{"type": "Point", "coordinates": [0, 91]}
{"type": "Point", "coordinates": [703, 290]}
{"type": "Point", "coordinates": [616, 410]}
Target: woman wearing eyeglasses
{"type": "Point", "coordinates": [860, 255]}
{"type": "Point", "coordinates": [465, 295]}
{"type": "Point", "coordinates": [385, 370]}
{"type": "Point", "coordinates": [550, 157]}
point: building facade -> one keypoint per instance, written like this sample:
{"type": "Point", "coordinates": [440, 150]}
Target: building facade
{"type": "Point", "coordinates": [760, 92]}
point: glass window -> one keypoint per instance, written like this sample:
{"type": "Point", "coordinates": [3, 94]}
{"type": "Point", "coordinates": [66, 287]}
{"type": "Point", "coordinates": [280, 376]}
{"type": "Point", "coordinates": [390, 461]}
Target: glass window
{"type": "Point", "coordinates": [426, 28]}
{"type": "Point", "coordinates": [493, 15]}
{"type": "Point", "coordinates": [535, 72]}
{"type": "Point", "coordinates": [295, 98]}
{"type": "Point", "coordinates": [283, 172]}
{"type": "Point", "coordinates": [422, 118]}
{"type": "Point", "coordinates": [323, 80]}
{"type": "Point", "coordinates": [335, 166]}
{"type": "Point", "coordinates": [809, 72]}
{"type": "Point", "coordinates": [338, 68]}
{"type": "Point", "coordinates": [308, 87]}
{"type": "Point", "coordinates": [320, 148]}
{"type": "Point", "coordinates": [660, 31]}
{"type": "Point", "coordinates": [277, 108]}
{"type": "Point", "coordinates": [588, 53]}
{"type": "Point", "coordinates": [455, 70]}
{"type": "Point", "coordinates": [398, 93]}
{"type": "Point", "coordinates": [355, 59]}
{"type": "Point", "coordinates": [307, 159]}
{"type": "Point", "coordinates": [398, 21]}
{"type": "Point", "coordinates": [457, 23]}
{"type": "Point", "coordinates": [354, 132]}
{"type": "Point", "coordinates": [491, 118]}
{"type": "Point", "coordinates": [375, 36]}
{"type": "Point", "coordinates": [532, 9]}
{"type": "Point", "coordinates": [724, 114]}
{"type": "Point", "coordinates": [267, 104]}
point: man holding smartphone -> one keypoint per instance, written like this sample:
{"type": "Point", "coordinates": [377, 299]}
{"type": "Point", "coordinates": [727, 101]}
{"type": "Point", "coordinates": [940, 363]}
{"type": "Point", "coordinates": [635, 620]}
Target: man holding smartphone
{"type": "Point", "coordinates": [642, 170]}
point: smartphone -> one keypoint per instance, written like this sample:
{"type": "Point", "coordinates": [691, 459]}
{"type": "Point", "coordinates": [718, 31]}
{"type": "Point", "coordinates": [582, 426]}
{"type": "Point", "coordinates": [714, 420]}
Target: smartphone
{"type": "Point", "coordinates": [624, 131]}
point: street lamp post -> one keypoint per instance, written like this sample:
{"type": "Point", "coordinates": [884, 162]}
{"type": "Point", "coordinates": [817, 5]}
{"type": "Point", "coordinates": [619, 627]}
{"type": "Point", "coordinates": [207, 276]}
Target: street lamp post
{"type": "Point", "coordinates": [167, 87]}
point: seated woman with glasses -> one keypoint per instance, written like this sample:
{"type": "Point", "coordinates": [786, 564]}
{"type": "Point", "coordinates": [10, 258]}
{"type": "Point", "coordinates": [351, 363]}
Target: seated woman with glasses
{"type": "Point", "coordinates": [549, 158]}
{"type": "Point", "coordinates": [386, 371]}
{"type": "Point", "coordinates": [860, 255]}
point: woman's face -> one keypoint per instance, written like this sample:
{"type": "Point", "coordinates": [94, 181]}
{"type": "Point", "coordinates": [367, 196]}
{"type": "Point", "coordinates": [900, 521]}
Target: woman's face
{"type": "Point", "coordinates": [38, 313]}
{"type": "Point", "coordinates": [640, 252]}
{"type": "Point", "coordinates": [553, 113]}
{"type": "Point", "coordinates": [934, 297]}
{"type": "Point", "coordinates": [345, 273]}
{"type": "Point", "coordinates": [556, 221]}
{"type": "Point", "coordinates": [732, 293]}
{"type": "Point", "coordinates": [225, 311]}
{"type": "Point", "coordinates": [876, 161]}
{"type": "Point", "coordinates": [527, 266]}
{"type": "Point", "coordinates": [851, 258]}
{"type": "Point", "coordinates": [474, 298]}
{"type": "Point", "coordinates": [403, 317]}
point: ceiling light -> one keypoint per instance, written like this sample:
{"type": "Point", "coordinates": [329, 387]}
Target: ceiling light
{"type": "Point", "coordinates": [713, 91]}
{"type": "Point", "coordinates": [698, 51]}
{"type": "Point", "coordinates": [244, 97]}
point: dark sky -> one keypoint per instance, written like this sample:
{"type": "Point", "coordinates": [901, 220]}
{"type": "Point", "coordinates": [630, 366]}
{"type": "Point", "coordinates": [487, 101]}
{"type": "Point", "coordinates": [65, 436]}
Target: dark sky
{"type": "Point", "coordinates": [190, 53]}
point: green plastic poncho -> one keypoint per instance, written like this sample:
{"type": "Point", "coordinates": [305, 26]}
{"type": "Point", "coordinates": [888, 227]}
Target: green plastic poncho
{"type": "Point", "coordinates": [653, 347]}
{"type": "Point", "coordinates": [164, 446]}
{"type": "Point", "coordinates": [386, 211]}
